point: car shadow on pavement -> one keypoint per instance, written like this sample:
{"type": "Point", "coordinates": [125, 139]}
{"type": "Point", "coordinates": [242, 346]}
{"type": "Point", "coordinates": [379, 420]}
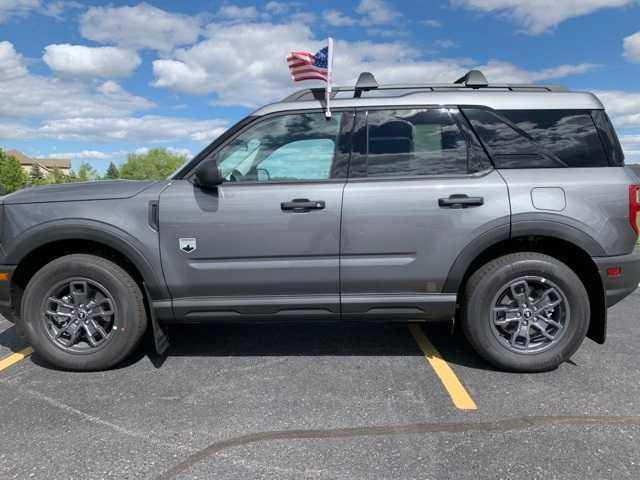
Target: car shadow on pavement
{"type": "Point", "coordinates": [294, 340]}
{"type": "Point", "coordinates": [10, 340]}
{"type": "Point", "coordinates": [329, 339]}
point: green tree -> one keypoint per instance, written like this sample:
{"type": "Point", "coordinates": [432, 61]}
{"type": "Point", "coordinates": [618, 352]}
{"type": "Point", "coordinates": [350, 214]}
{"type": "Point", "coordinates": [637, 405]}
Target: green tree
{"type": "Point", "coordinates": [86, 173]}
{"type": "Point", "coordinates": [12, 177]}
{"type": "Point", "coordinates": [57, 176]}
{"type": "Point", "coordinates": [36, 176]}
{"type": "Point", "coordinates": [112, 172]}
{"type": "Point", "coordinates": [156, 164]}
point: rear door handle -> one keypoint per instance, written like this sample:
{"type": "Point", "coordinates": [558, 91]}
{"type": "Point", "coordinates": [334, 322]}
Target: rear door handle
{"type": "Point", "coordinates": [460, 201]}
{"type": "Point", "coordinates": [302, 205]}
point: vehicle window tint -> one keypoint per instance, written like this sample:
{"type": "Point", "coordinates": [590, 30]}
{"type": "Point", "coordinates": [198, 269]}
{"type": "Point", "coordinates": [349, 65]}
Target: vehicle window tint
{"type": "Point", "coordinates": [414, 142]}
{"type": "Point", "coordinates": [295, 147]}
{"type": "Point", "coordinates": [570, 135]}
{"type": "Point", "coordinates": [509, 148]}
{"type": "Point", "coordinates": [609, 138]}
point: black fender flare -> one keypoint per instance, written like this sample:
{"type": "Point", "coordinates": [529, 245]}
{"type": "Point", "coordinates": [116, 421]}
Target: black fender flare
{"type": "Point", "coordinates": [91, 230]}
{"type": "Point", "coordinates": [539, 225]}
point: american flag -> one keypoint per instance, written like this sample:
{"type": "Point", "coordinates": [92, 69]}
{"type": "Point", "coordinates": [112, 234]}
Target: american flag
{"type": "Point", "coordinates": [306, 66]}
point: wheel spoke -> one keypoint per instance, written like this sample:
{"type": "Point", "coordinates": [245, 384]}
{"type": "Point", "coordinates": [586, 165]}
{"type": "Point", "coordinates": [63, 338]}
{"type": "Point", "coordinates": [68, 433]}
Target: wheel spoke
{"type": "Point", "coordinates": [59, 303]}
{"type": "Point", "coordinates": [543, 331]}
{"type": "Point", "coordinates": [73, 330]}
{"type": "Point", "coordinates": [80, 292]}
{"type": "Point", "coordinates": [521, 332]}
{"type": "Point", "coordinates": [505, 315]}
{"type": "Point", "coordinates": [520, 292]}
{"type": "Point", "coordinates": [545, 301]}
{"type": "Point", "coordinates": [90, 332]}
{"type": "Point", "coordinates": [550, 321]}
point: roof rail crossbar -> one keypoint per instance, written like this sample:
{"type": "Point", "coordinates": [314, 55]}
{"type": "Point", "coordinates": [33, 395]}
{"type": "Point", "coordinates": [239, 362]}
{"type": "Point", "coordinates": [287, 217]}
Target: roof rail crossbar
{"type": "Point", "coordinates": [473, 79]}
{"type": "Point", "coordinates": [366, 81]}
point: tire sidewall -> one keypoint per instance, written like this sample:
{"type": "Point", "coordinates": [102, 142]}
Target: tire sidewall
{"type": "Point", "coordinates": [126, 320]}
{"type": "Point", "coordinates": [479, 325]}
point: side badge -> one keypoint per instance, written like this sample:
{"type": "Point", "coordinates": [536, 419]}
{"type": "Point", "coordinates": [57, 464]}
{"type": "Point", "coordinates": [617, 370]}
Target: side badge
{"type": "Point", "coordinates": [188, 244]}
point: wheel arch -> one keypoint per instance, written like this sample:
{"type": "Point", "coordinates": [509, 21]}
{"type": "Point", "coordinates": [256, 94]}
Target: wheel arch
{"type": "Point", "coordinates": [567, 244]}
{"type": "Point", "coordinates": [39, 245]}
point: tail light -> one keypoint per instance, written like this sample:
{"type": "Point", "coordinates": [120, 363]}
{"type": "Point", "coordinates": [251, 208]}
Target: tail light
{"type": "Point", "coordinates": [634, 206]}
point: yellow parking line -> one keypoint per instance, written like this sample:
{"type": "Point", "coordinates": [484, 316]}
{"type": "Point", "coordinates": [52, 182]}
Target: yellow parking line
{"type": "Point", "coordinates": [14, 358]}
{"type": "Point", "coordinates": [459, 395]}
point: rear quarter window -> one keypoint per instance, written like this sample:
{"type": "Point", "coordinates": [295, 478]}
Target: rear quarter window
{"type": "Point", "coordinates": [540, 138]}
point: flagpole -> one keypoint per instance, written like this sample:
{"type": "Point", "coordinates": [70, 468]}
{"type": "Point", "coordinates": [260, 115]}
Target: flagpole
{"type": "Point", "coordinates": [329, 79]}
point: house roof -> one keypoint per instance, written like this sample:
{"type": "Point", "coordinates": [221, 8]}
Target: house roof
{"type": "Point", "coordinates": [47, 163]}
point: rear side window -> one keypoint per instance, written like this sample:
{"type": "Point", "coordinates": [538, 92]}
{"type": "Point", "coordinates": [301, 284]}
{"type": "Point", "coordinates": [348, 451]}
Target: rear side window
{"type": "Point", "coordinates": [405, 143]}
{"type": "Point", "coordinates": [609, 137]}
{"type": "Point", "coordinates": [539, 138]}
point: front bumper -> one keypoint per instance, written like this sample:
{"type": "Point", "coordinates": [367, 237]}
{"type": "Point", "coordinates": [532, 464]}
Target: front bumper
{"type": "Point", "coordinates": [618, 287]}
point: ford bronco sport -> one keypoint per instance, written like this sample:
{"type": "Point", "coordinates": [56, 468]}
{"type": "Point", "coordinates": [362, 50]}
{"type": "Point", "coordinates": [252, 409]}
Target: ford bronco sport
{"type": "Point", "coordinates": [505, 208]}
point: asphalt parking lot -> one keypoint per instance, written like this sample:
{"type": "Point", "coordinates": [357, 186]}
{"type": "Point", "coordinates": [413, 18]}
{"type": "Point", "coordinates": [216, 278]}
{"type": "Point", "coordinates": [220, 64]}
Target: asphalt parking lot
{"type": "Point", "coordinates": [324, 402]}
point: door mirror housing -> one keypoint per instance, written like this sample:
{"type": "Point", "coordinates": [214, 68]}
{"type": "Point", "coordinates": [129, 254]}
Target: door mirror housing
{"type": "Point", "coordinates": [208, 175]}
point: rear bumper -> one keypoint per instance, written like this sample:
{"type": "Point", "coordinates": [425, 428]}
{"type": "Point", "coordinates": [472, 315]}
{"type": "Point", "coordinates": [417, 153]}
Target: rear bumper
{"type": "Point", "coordinates": [6, 308]}
{"type": "Point", "coordinates": [618, 287]}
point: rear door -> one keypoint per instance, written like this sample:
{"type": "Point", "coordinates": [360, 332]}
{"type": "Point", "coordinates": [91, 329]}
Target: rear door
{"type": "Point", "coordinates": [420, 190]}
{"type": "Point", "coordinates": [266, 241]}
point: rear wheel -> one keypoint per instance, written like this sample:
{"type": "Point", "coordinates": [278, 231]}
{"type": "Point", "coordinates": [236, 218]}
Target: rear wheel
{"type": "Point", "coordinates": [525, 312]}
{"type": "Point", "coordinates": [83, 312]}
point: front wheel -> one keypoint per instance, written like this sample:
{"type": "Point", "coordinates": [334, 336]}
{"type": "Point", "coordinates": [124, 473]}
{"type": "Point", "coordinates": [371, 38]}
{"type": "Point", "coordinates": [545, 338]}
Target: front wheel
{"type": "Point", "coordinates": [525, 312]}
{"type": "Point", "coordinates": [83, 312]}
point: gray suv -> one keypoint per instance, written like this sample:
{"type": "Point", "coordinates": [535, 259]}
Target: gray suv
{"type": "Point", "coordinates": [504, 208]}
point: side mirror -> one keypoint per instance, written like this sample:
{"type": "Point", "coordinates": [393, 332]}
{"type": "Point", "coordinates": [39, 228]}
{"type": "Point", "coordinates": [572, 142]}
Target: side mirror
{"type": "Point", "coordinates": [208, 175]}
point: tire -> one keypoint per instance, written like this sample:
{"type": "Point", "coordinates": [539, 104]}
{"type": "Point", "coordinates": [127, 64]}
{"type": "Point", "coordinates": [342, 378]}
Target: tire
{"type": "Point", "coordinates": [502, 283]}
{"type": "Point", "coordinates": [118, 309]}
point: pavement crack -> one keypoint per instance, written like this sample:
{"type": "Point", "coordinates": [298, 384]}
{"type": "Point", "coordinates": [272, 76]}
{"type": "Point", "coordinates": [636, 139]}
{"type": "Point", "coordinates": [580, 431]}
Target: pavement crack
{"type": "Point", "coordinates": [499, 426]}
{"type": "Point", "coordinates": [99, 421]}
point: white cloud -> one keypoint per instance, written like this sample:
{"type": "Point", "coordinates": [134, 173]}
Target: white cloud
{"type": "Point", "coordinates": [336, 18]}
{"type": "Point", "coordinates": [150, 128]}
{"type": "Point", "coordinates": [240, 68]}
{"type": "Point", "coordinates": [22, 8]}
{"type": "Point", "coordinates": [234, 12]}
{"type": "Point", "coordinates": [11, 63]}
{"type": "Point", "coordinates": [35, 96]}
{"type": "Point", "coordinates": [632, 47]}
{"type": "Point", "coordinates": [276, 8]}
{"type": "Point", "coordinates": [81, 61]}
{"type": "Point", "coordinates": [84, 154]}
{"type": "Point", "coordinates": [376, 12]}
{"type": "Point", "coordinates": [141, 26]}
{"type": "Point", "coordinates": [623, 107]}
{"type": "Point", "coordinates": [538, 16]}
{"type": "Point", "coordinates": [444, 44]}
{"type": "Point", "coordinates": [432, 23]}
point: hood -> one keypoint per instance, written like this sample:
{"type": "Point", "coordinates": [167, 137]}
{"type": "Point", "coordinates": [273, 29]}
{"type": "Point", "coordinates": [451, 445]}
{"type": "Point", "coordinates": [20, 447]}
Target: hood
{"type": "Point", "coordinates": [74, 192]}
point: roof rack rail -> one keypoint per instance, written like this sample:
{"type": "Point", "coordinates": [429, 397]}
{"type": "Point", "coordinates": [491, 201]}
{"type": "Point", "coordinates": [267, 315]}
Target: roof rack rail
{"type": "Point", "coordinates": [473, 79]}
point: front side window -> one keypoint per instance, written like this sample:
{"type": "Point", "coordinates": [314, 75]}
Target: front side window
{"type": "Point", "coordinates": [285, 148]}
{"type": "Point", "coordinates": [407, 143]}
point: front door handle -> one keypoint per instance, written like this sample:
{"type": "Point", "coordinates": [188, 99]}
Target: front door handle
{"type": "Point", "coordinates": [302, 205]}
{"type": "Point", "coordinates": [460, 201]}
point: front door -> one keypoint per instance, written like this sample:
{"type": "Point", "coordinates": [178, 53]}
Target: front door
{"type": "Point", "coordinates": [266, 242]}
{"type": "Point", "coordinates": [420, 190]}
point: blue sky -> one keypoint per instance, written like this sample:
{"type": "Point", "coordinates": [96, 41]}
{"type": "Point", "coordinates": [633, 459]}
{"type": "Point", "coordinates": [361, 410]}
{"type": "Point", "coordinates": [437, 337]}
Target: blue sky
{"type": "Point", "coordinates": [95, 80]}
